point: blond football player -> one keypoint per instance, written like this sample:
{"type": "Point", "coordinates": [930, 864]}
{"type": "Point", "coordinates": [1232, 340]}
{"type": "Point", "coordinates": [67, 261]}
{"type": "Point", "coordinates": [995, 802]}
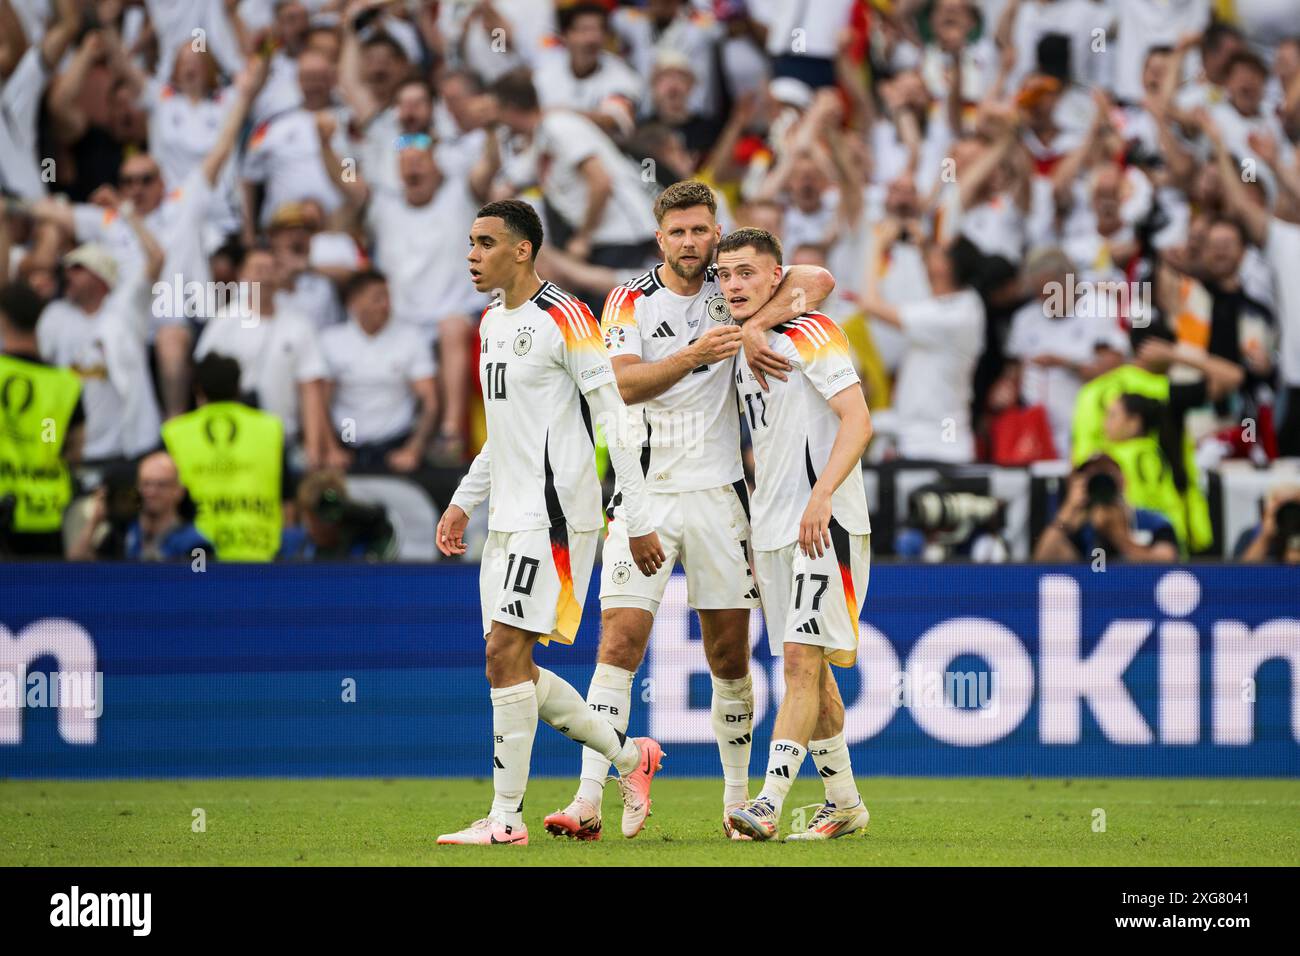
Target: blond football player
{"type": "Point", "coordinates": [673, 345]}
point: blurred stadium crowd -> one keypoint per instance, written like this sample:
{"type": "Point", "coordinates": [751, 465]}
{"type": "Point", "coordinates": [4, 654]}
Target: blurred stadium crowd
{"type": "Point", "coordinates": [1062, 230]}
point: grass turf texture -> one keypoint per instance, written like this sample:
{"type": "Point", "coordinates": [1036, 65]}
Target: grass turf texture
{"type": "Point", "coordinates": [914, 821]}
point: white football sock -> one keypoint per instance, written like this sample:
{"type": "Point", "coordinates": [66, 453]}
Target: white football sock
{"type": "Point", "coordinates": [608, 697]}
{"type": "Point", "coordinates": [831, 758]}
{"type": "Point", "coordinates": [733, 725]}
{"type": "Point", "coordinates": [782, 767]}
{"type": "Point", "coordinates": [564, 709]}
{"type": "Point", "coordinates": [514, 724]}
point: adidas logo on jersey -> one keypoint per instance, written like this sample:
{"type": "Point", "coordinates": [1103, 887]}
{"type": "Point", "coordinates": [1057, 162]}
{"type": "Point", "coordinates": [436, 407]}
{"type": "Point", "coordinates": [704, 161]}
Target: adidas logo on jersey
{"type": "Point", "coordinates": [665, 331]}
{"type": "Point", "coordinates": [516, 609]}
{"type": "Point", "coordinates": [809, 627]}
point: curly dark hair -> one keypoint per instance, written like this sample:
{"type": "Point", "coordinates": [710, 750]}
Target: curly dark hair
{"type": "Point", "coordinates": [519, 217]}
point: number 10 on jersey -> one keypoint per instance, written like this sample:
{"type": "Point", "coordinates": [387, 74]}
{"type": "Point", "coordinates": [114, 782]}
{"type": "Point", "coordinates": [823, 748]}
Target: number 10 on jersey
{"type": "Point", "coordinates": [494, 383]}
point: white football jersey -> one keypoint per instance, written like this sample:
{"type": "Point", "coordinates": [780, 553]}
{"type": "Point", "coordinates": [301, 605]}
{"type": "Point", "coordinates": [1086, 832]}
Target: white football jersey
{"type": "Point", "coordinates": [693, 432]}
{"type": "Point", "coordinates": [535, 364]}
{"type": "Point", "coordinates": [793, 429]}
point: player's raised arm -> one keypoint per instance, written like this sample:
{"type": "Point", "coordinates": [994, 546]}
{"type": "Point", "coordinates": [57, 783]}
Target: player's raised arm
{"type": "Point", "coordinates": [802, 289]}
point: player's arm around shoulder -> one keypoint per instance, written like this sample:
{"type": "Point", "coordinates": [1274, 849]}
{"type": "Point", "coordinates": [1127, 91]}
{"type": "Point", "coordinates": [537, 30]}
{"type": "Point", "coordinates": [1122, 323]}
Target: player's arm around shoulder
{"type": "Point", "coordinates": [802, 289]}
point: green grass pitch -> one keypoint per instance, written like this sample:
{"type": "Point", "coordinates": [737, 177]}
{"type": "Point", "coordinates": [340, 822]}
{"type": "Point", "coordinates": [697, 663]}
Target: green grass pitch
{"type": "Point", "coordinates": [914, 821]}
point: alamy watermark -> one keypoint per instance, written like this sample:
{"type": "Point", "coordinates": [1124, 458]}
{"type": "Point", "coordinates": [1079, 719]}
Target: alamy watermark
{"type": "Point", "coordinates": [177, 298]}
{"type": "Point", "coordinates": [75, 690]}
{"type": "Point", "coordinates": [1105, 299]}
{"type": "Point", "coordinates": [964, 690]}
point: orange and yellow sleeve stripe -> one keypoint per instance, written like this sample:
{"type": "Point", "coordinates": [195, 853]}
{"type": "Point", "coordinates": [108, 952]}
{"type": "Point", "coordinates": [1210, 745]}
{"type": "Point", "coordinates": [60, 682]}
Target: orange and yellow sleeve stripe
{"type": "Point", "coordinates": [577, 325]}
{"type": "Point", "coordinates": [816, 336]}
{"type": "Point", "coordinates": [620, 308]}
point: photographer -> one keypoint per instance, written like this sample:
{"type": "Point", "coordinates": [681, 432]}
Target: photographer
{"type": "Point", "coordinates": [1277, 536]}
{"type": "Point", "coordinates": [1094, 515]}
{"type": "Point", "coordinates": [334, 527]}
{"type": "Point", "coordinates": [154, 523]}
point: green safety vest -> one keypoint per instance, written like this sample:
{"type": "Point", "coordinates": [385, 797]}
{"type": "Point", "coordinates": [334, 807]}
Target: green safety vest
{"type": "Point", "coordinates": [36, 405]}
{"type": "Point", "coordinates": [1149, 483]}
{"type": "Point", "coordinates": [1188, 512]}
{"type": "Point", "coordinates": [229, 456]}
{"type": "Point", "coordinates": [1089, 434]}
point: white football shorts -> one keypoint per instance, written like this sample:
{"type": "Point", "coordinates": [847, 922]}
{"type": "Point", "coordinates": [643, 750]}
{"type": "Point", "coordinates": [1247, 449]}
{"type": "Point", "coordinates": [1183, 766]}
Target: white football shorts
{"type": "Point", "coordinates": [707, 531]}
{"type": "Point", "coordinates": [537, 580]}
{"type": "Point", "coordinates": [818, 601]}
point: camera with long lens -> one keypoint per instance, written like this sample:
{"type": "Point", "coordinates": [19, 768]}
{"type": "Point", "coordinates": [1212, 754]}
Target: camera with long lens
{"type": "Point", "coordinates": [932, 509]}
{"type": "Point", "coordinates": [957, 523]}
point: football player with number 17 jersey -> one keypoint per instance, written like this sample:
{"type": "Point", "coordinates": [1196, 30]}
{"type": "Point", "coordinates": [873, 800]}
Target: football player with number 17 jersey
{"type": "Point", "coordinates": [811, 533]}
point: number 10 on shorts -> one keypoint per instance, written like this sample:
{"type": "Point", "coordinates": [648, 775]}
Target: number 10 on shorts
{"type": "Point", "coordinates": [524, 577]}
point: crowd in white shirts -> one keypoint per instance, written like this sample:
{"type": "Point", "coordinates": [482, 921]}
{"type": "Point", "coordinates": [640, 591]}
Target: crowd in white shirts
{"type": "Point", "coordinates": [1003, 189]}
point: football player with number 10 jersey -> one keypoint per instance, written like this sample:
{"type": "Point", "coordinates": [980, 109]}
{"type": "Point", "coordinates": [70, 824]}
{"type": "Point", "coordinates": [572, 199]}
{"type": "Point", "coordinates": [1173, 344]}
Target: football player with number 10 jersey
{"type": "Point", "coordinates": [542, 365]}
